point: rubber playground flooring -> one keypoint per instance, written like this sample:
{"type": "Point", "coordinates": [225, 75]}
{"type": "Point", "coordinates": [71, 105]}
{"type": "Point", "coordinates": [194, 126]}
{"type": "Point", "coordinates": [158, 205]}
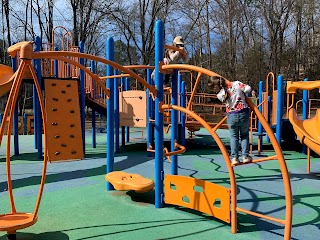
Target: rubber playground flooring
{"type": "Point", "coordinates": [76, 205]}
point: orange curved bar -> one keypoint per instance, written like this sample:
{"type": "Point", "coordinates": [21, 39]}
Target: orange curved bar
{"type": "Point", "coordinates": [52, 34]}
{"type": "Point", "coordinates": [283, 168]}
{"type": "Point", "coordinates": [86, 70]}
{"type": "Point", "coordinates": [293, 86]}
{"type": "Point", "coordinates": [180, 151]}
{"type": "Point", "coordinates": [192, 68]}
{"type": "Point", "coordinates": [45, 140]}
{"type": "Point", "coordinates": [12, 100]}
{"type": "Point", "coordinates": [139, 67]}
{"type": "Point", "coordinates": [12, 50]}
{"type": "Point", "coordinates": [56, 54]}
{"type": "Point", "coordinates": [270, 74]}
{"type": "Point", "coordinates": [115, 76]}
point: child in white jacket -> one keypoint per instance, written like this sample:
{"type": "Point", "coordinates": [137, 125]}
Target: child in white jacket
{"type": "Point", "coordinates": [238, 115]}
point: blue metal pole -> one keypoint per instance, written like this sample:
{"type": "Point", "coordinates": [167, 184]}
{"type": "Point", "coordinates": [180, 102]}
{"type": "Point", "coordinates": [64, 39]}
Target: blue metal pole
{"type": "Point", "coordinates": [37, 113]}
{"type": "Point", "coordinates": [305, 102]}
{"type": "Point", "coordinates": [56, 66]}
{"type": "Point", "coordinates": [260, 129]}
{"type": "Point", "coordinates": [116, 111]}
{"type": "Point", "coordinates": [149, 112]}
{"type": "Point", "coordinates": [25, 122]}
{"type": "Point", "coordinates": [174, 121]}
{"type": "Point", "coordinates": [110, 111]}
{"type": "Point", "coordinates": [279, 108]}
{"type": "Point", "coordinates": [305, 110]}
{"type": "Point", "coordinates": [82, 99]}
{"type": "Point", "coordinates": [269, 115]}
{"type": "Point", "coordinates": [159, 121]}
{"type": "Point", "coordinates": [15, 116]}
{"type": "Point", "coordinates": [123, 128]}
{"type": "Point", "coordinates": [180, 94]}
{"type": "Point", "coordinates": [127, 127]}
{"type": "Point", "coordinates": [183, 115]}
{"type": "Point", "coordinates": [93, 117]}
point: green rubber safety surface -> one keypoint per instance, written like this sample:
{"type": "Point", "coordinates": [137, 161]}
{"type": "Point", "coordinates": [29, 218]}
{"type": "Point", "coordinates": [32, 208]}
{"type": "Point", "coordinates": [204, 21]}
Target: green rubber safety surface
{"type": "Point", "coordinates": [76, 205]}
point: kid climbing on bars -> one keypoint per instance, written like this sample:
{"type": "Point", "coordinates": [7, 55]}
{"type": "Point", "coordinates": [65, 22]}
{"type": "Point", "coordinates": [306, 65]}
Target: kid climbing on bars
{"type": "Point", "coordinates": [238, 115]}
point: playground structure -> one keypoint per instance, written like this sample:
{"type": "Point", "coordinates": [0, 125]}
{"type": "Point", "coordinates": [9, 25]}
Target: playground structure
{"type": "Point", "coordinates": [169, 189]}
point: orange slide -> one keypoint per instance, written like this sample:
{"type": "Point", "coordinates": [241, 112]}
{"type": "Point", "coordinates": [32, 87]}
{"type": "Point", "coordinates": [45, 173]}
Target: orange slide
{"type": "Point", "coordinates": [307, 130]}
{"type": "Point", "coordinates": [6, 79]}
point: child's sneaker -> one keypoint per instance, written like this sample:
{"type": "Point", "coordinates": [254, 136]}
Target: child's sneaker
{"type": "Point", "coordinates": [235, 161]}
{"type": "Point", "coordinates": [247, 159]}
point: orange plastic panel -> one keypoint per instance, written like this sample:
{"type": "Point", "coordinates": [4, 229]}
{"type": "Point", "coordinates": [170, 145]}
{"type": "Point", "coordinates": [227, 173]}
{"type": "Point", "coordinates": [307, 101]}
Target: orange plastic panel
{"type": "Point", "coordinates": [199, 195]}
{"type": "Point", "coordinates": [123, 181]}
{"type": "Point", "coordinates": [63, 120]}
{"type": "Point", "coordinates": [133, 108]}
{"type": "Point", "coordinates": [30, 125]}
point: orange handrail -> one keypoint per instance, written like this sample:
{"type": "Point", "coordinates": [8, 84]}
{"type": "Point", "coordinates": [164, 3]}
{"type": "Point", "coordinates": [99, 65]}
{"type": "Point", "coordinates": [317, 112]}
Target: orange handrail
{"type": "Point", "coordinates": [115, 76]}
{"type": "Point", "coordinates": [139, 67]}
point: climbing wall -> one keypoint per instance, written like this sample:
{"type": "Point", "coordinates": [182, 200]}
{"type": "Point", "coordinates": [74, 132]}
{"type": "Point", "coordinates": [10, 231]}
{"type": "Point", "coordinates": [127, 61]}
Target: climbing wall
{"type": "Point", "coordinates": [63, 120]}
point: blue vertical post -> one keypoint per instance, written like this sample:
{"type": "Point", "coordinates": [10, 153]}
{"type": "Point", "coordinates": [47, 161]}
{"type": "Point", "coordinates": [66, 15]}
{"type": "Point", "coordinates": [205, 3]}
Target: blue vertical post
{"type": "Point", "coordinates": [25, 122]}
{"type": "Point", "coordinates": [279, 108]}
{"type": "Point", "coordinates": [116, 111]}
{"type": "Point", "coordinates": [37, 113]}
{"type": "Point", "coordinates": [110, 111]}
{"type": "Point", "coordinates": [15, 116]}
{"type": "Point", "coordinates": [269, 115]}
{"type": "Point", "coordinates": [149, 112]}
{"type": "Point", "coordinates": [82, 99]}
{"type": "Point", "coordinates": [93, 117]}
{"type": "Point", "coordinates": [127, 127]}
{"type": "Point", "coordinates": [305, 102]}
{"type": "Point", "coordinates": [180, 93]}
{"type": "Point", "coordinates": [56, 66]}
{"type": "Point", "coordinates": [305, 110]}
{"type": "Point", "coordinates": [260, 129]}
{"type": "Point", "coordinates": [183, 115]}
{"type": "Point", "coordinates": [123, 128]}
{"type": "Point", "coordinates": [159, 121]}
{"type": "Point", "coordinates": [1, 118]}
{"type": "Point", "coordinates": [174, 121]}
